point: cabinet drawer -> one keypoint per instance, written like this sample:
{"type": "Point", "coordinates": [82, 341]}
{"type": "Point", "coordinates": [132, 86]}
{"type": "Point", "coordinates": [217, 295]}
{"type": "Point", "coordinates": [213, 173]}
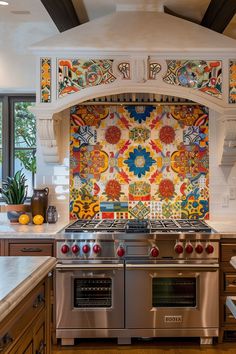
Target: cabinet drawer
{"type": "Point", "coordinates": [230, 283]}
{"type": "Point", "coordinates": [30, 249]}
{"type": "Point", "coordinates": [227, 251]}
{"type": "Point", "coordinates": [16, 323]}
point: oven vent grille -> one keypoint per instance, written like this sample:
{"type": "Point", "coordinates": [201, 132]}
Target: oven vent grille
{"type": "Point", "coordinates": [139, 98]}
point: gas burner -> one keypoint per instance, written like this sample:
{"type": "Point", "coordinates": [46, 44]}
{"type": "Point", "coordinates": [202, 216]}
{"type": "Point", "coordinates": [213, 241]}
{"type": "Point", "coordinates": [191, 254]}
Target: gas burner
{"type": "Point", "coordinates": [133, 226]}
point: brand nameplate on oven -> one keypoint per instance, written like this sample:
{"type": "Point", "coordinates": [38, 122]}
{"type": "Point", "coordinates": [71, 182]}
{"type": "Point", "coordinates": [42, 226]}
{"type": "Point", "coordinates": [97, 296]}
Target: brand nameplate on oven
{"type": "Point", "coordinates": [173, 319]}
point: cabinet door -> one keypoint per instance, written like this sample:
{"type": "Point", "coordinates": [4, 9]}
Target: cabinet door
{"type": "Point", "coordinates": [25, 344]}
{"type": "Point", "coordinates": [29, 349]}
{"type": "Point", "coordinates": [40, 340]}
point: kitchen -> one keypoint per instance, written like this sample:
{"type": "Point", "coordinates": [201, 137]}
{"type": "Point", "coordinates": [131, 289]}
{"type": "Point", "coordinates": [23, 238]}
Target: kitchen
{"type": "Point", "coordinates": [128, 116]}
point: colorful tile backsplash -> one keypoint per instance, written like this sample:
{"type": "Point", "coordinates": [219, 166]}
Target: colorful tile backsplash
{"type": "Point", "coordinates": [139, 162]}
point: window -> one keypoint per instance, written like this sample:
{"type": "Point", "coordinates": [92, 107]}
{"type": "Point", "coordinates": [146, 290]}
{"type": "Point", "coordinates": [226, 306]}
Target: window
{"type": "Point", "coordinates": [18, 142]}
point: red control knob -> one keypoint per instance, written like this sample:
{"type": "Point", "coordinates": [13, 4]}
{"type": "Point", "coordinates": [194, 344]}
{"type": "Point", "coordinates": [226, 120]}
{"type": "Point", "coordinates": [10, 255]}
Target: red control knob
{"type": "Point", "coordinates": [65, 248]}
{"type": "Point", "coordinates": [209, 249]}
{"type": "Point", "coordinates": [154, 252]}
{"type": "Point", "coordinates": [199, 248]}
{"type": "Point", "coordinates": [75, 248]}
{"type": "Point", "coordinates": [189, 248]}
{"type": "Point", "coordinates": [97, 248]}
{"type": "Point", "coordinates": [179, 249]}
{"type": "Point", "coordinates": [85, 249]}
{"type": "Point", "coordinates": [120, 251]}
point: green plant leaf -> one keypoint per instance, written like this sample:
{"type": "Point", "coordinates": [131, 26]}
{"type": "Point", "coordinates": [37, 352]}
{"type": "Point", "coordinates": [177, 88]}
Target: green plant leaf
{"type": "Point", "coordinates": [14, 189]}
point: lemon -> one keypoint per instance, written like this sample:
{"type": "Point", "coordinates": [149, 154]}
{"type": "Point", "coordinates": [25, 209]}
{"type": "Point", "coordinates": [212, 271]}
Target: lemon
{"type": "Point", "coordinates": [24, 219]}
{"type": "Point", "coordinates": [38, 219]}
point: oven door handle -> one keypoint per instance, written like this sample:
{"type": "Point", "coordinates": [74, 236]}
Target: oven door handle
{"type": "Point", "coordinates": [64, 267]}
{"type": "Point", "coordinates": [172, 266]}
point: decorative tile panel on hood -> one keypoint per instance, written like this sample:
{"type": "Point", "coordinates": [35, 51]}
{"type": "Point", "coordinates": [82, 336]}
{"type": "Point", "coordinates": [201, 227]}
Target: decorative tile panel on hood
{"type": "Point", "coordinates": [77, 74]}
{"type": "Point", "coordinates": [232, 81]}
{"type": "Point", "coordinates": [139, 161]}
{"type": "Point", "coordinates": [45, 79]}
{"type": "Point", "coordinates": [205, 76]}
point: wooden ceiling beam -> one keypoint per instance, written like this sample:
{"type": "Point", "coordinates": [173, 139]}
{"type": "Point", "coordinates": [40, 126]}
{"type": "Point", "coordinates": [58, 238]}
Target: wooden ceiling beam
{"type": "Point", "coordinates": [219, 14]}
{"type": "Point", "coordinates": [211, 12]}
{"type": "Point", "coordinates": [173, 13]}
{"type": "Point", "coordinates": [62, 12]}
{"type": "Point", "coordinates": [224, 16]}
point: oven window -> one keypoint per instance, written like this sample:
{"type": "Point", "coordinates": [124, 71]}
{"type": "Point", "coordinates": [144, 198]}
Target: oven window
{"type": "Point", "coordinates": [92, 292]}
{"type": "Point", "coordinates": [174, 292]}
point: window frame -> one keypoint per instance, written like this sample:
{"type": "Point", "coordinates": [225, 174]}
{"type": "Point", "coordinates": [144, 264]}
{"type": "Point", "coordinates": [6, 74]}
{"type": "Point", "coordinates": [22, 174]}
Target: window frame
{"type": "Point", "coordinates": [8, 137]}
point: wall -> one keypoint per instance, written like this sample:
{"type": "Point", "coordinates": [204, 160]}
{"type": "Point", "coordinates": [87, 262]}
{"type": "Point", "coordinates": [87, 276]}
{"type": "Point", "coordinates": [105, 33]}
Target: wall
{"type": "Point", "coordinates": [56, 176]}
{"type": "Point", "coordinates": [17, 33]}
{"type": "Point", "coordinates": [222, 178]}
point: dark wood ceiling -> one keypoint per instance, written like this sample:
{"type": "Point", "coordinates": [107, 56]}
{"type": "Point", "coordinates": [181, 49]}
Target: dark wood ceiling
{"type": "Point", "coordinates": [217, 16]}
{"type": "Point", "coordinates": [62, 12]}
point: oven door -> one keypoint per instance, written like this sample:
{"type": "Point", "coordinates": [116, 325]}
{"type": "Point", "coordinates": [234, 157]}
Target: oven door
{"type": "Point", "coordinates": [172, 296]}
{"type": "Point", "coordinates": [90, 295]}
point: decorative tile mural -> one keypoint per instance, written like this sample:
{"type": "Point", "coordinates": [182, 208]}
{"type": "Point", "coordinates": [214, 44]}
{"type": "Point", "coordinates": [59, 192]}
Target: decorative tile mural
{"type": "Point", "coordinates": [45, 80]}
{"type": "Point", "coordinates": [232, 81]}
{"type": "Point", "coordinates": [139, 162]}
{"type": "Point", "coordinates": [77, 74]}
{"type": "Point", "coordinates": [202, 75]}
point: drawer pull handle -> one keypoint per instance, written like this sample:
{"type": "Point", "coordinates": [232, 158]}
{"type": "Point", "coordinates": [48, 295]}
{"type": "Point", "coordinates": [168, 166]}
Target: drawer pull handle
{"type": "Point", "coordinates": [4, 341]}
{"type": "Point", "coordinates": [42, 345]}
{"type": "Point", "coordinates": [31, 249]}
{"type": "Point", "coordinates": [39, 300]}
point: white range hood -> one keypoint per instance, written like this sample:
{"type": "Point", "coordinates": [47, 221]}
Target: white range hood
{"type": "Point", "coordinates": [141, 36]}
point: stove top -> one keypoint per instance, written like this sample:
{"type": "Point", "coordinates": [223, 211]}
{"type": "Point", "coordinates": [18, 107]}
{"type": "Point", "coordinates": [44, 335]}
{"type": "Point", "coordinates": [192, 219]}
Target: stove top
{"type": "Point", "coordinates": [139, 226]}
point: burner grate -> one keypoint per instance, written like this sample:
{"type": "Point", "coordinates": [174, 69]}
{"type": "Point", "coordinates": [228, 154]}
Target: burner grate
{"type": "Point", "coordinates": [139, 226]}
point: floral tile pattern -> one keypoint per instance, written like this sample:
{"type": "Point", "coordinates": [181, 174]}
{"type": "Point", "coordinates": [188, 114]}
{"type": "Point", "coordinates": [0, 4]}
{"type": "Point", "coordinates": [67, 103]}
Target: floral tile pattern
{"type": "Point", "coordinates": [202, 75]}
{"type": "Point", "coordinates": [77, 74]}
{"type": "Point", "coordinates": [139, 162]}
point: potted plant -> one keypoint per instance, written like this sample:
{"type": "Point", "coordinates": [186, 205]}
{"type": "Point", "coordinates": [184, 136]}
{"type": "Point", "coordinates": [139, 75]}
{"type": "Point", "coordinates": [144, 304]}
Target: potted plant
{"type": "Point", "coordinates": [14, 193]}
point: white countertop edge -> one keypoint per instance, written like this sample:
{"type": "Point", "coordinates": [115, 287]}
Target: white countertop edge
{"type": "Point", "coordinates": [25, 287]}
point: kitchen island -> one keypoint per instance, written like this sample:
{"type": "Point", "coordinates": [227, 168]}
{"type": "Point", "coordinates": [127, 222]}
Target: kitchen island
{"type": "Point", "coordinates": [25, 304]}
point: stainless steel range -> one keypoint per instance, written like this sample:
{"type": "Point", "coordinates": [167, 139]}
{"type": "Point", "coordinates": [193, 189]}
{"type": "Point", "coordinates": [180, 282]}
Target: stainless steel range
{"type": "Point", "coordinates": [137, 278]}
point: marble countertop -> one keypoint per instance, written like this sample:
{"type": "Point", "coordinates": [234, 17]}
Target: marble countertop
{"type": "Point", "coordinates": [224, 227]}
{"type": "Point", "coordinates": [45, 230]}
{"type": "Point", "coordinates": [19, 275]}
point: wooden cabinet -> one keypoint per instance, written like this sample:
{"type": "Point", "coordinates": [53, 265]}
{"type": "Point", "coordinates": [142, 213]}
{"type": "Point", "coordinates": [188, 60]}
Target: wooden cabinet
{"type": "Point", "coordinates": [29, 247]}
{"type": "Point", "coordinates": [27, 328]}
{"type": "Point", "coordinates": [227, 287]}
{"type": "Point", "coordinates": [32, 247]}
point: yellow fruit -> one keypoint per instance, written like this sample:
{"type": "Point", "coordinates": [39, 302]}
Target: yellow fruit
{"type": "Point", "coordinates": [38, 219]}
{"type": "Point", "coordinates": [24, 219]}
